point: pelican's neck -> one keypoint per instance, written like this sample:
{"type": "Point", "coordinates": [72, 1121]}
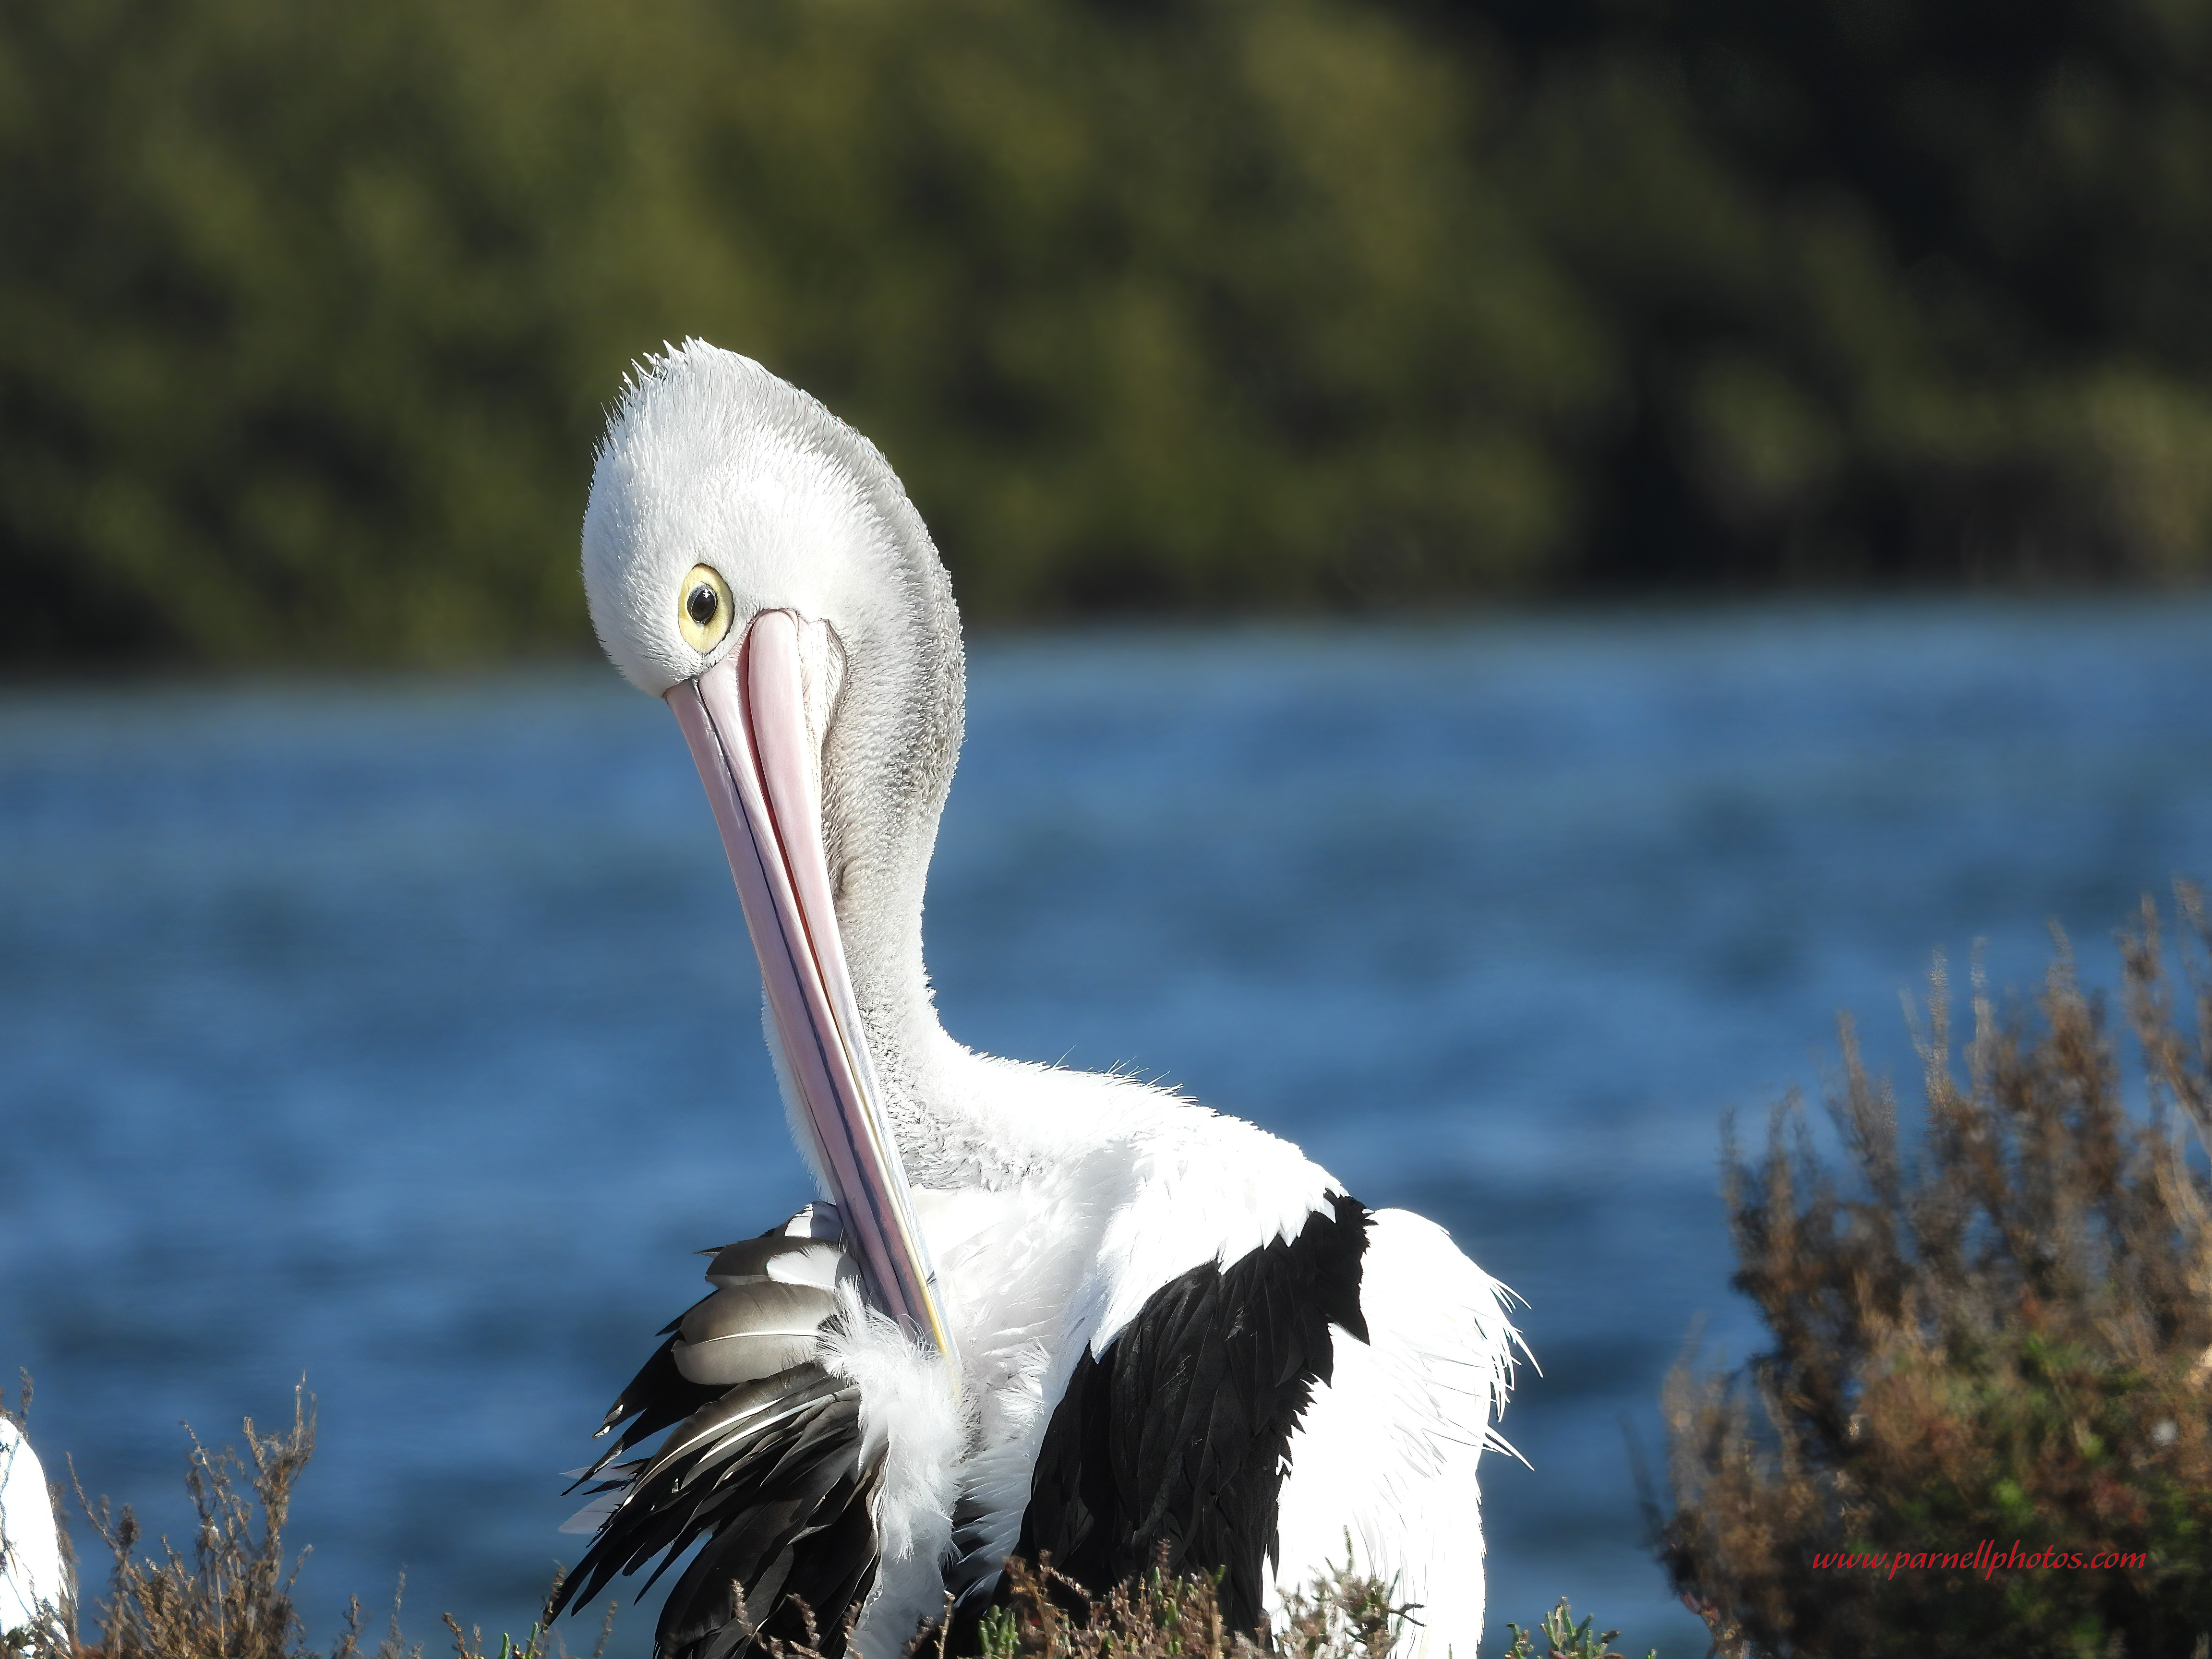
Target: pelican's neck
{"type": "Point", "coordinates": [956, 1122]}
{"type": "Point", "coordinates": [962, 1119]}
{"type": "Point", "coordinates": [887, 765]}
{"type": "Point", "coordinates": [882, 925]}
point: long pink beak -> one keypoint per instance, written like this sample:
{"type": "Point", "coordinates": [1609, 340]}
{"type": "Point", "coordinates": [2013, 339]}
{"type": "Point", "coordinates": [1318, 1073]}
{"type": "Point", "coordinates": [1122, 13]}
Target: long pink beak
{"type": "Point", "coordinates": [745, 721]}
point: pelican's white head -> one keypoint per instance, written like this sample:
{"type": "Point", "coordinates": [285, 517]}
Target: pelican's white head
{"type": "Point", "coordinates": [720, 493]}
{"type": "Point", "coordinates": [710, 460]}
{"type": "Point", "coordinates": [752, 560]}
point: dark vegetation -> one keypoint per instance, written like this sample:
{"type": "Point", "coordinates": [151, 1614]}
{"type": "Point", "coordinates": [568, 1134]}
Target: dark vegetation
{"type": "Point", "coordinates": [231, 1597]}
{"type": "Point", "coordinates": [2002, 1332]}
{"type": "Point", "coordinates": [308, 310]}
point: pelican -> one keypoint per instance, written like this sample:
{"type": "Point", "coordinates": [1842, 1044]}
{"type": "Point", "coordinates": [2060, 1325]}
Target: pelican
{"type": "Point", "coordinates": [35, 1596]}
{"type": "Point", "coordinates": [1037, 1311]}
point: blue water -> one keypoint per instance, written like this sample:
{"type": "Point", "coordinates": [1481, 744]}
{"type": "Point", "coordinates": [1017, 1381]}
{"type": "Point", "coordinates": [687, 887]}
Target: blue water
{"type": "Point", "coordinates": [402, 1036]}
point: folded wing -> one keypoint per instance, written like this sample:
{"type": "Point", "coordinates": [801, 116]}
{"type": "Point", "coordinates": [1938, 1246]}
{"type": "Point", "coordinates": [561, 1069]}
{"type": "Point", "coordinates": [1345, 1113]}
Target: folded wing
{"type": "Point", "coordinates": [765, 1462]}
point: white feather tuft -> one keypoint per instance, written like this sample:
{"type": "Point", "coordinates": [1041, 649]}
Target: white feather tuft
{"type": "Point", "coordinates": [910, 1419]}
{"type": "Point", "coordinates": [1383, 1463]}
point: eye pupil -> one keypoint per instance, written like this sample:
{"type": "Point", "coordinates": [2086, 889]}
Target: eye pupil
{"type": "Point", "coordinates": [701, 604]}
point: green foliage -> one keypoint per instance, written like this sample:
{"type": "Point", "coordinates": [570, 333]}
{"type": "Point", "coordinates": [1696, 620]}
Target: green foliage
{"type": "Point", "coordinates": [2002, 1337]}
{"type": "Point", "coordinates": [1901, 289]}
{"type": "Point", "coordinates": [1564, 1639]}
{"type": "Point", "coordinates": [313, 307]}
{"type": "Point", "coordinates": [542, 1642]}
{"type": "Point", "coordinates": [308, 311]}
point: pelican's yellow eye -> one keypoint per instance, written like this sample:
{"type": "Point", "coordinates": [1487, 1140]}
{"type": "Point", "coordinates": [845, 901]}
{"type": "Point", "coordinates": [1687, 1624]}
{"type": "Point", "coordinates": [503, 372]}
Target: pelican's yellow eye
{"type": "Point", "coordinates": [702, 608]}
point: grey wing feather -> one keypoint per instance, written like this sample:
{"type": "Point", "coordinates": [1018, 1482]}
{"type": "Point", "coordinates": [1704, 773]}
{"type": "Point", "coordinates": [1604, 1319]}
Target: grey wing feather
{"type": "Point", "coordinates": [765, 1464]}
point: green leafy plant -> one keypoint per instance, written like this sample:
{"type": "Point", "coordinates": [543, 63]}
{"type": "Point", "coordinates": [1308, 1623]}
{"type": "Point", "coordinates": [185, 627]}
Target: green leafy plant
{"type": "Point", "coordinates": [1563, 1639]}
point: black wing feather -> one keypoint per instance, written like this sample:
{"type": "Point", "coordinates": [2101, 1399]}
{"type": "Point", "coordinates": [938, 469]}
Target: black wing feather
{"type": "Point", "coordinates": [1178, 1432]}
{"type": "Point", "coordinates": [658, 1395]}
{"type": "Point", "coordinates": [772, 1474]}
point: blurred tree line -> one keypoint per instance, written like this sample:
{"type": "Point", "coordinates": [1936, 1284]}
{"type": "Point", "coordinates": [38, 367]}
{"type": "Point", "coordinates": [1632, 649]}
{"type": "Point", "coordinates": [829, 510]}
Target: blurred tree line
{"type": "Point", "coordinates": [309, 310]}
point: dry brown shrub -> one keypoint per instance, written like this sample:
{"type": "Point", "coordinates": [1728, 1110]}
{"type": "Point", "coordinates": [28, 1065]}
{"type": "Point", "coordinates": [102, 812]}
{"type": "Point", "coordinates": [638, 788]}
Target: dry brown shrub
{"type": "Point", "coordinates": [1342, 1614]}
{"type": "Point", "coordinates": [231, 1598]}
{"type": "Point", "coordinates": [1161, 1614]}
{"type": "Point", "coordinates": [1046, 1615]}
{"type": "Point", "coordinates": [2003, 1332]}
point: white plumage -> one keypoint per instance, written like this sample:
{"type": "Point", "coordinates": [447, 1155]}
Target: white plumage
{"type": "Point", "coordinates": [34, 1586]}
{"type": "Point", "coordinates": [1049, 1211]}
